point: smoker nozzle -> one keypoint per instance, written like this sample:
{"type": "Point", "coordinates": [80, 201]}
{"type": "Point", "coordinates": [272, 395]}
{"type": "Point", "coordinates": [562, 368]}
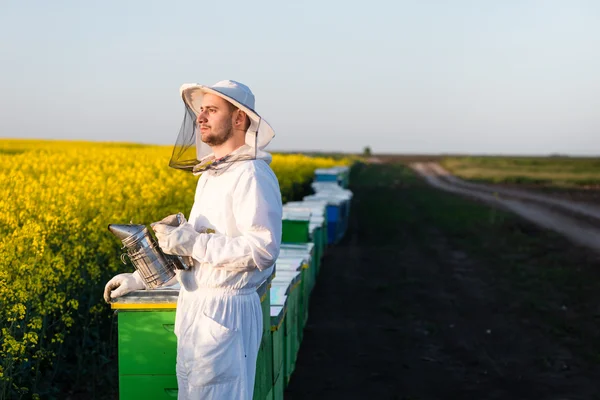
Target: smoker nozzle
{"type": "Point", "coordinates": [125, 231]}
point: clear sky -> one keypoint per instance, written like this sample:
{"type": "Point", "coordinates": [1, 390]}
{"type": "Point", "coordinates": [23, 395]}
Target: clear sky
{"type": "Point", "coordinates": [421, 76]}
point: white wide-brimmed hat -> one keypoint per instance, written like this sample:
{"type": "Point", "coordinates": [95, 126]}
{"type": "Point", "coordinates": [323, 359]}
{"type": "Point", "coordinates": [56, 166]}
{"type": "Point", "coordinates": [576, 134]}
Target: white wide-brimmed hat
{"type": "Point", "coordinates": [259, 133]}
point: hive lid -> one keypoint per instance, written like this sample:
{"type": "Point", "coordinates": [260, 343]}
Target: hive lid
{"type": "Point", "coordinates": [279, 294]}
{"type": "Point", "coordinates": [296, 215]}
{"type": "Point", "coordinates": [289, 264]}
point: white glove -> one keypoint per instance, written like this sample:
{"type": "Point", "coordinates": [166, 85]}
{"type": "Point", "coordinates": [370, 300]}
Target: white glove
{"type": "Point", "coordinates": [173, 220]}
{"type": "Point", "coordinates": [178, 240]}
{"type": "Point", "coordinates": [122, 284]}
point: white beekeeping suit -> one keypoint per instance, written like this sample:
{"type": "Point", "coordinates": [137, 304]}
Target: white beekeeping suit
{"type": "Point", "coordinates": [233, 235]}
{"type": "Point", "coordinates": [219, 317]}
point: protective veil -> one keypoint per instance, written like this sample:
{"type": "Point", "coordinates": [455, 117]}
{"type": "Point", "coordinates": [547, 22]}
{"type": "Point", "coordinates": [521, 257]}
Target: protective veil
{"type": "Point", "coordinates": [190, 153]}
{"type": "Point", "coordinates": [237, 213]}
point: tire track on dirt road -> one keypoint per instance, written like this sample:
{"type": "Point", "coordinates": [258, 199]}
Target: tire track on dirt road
{"type": "Point", "coordinates": [577, 209]}
{"type": "Point", "coordinates": [425, 299]}
{"type": "Point", "coordinates": [578, 222]}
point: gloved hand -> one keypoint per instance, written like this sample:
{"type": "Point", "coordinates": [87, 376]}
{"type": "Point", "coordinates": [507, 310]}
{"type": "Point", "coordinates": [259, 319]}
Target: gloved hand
{"type": "Point", "coordinates": [178, 240]}
{"type": "Point", "coordinates": [173, 220]}
{"type": "Point", "coordinates": [122, 284]}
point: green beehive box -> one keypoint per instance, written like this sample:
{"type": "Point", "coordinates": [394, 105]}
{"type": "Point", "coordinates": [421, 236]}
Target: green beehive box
{"type": "Point", "coordinates": [298, 264]}
{"type": "Point", "coordinates": [286, 283]}
{"type": "Point", "coordinates": [318, 216]}
{"type": "Point", "coordinates": [295, 226]}
{"type": "Point", "coordinates": [279, 387]}
{"type": "Point", "coordinates": [318, 229]}
{"type": "Point", "coordinates": [147, 345]}
{"type": "Point", "coordinates": [148, 387]}
{"type": "Point", "coordinates": [291, 339]}
{"type": "Point", "coordinates": [343, 175]}
{"type": "Point", "coordinates": [263, 382]}
{"type": "Point", "coordinates": [270, 394]}
{"type": "Point", "coordinates": [307, 251]}
{"type": "Point", "coordinates": [279, 296]}
{"type": "Point", "coordinates": [264, 293]}
{"type": "Point", "coordinates": [294, 231]}
{"type": "Point", "coordinates": [314, 231]}
{"type": "Point", "coordinates": [316, 236]}
{"type": "Point", "coordinates": [278, 314]}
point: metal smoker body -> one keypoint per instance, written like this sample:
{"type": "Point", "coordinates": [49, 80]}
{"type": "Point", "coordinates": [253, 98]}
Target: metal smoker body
{"type": "Point", "coordinates": [155, 267]}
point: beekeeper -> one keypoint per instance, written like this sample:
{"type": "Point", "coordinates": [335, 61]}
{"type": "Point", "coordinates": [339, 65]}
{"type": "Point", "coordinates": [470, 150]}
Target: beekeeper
{"type": "Point", "coordinates": [233, 235]}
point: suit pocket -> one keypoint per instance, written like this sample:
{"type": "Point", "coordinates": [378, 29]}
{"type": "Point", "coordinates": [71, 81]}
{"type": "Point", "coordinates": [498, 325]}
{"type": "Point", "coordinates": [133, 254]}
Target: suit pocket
{"type": "Point", "coordinates": [211, 353]}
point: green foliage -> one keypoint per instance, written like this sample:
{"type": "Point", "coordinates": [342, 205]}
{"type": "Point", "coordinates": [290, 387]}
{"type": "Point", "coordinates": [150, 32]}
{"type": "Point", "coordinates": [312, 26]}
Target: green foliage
{"type": "Point", "coordinates": [550, 171]}
{"type": "Point", "coordinates": [56, 253]}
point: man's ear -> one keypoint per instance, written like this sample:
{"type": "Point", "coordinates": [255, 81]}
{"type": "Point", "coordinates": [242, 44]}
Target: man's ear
{"type": "Point", "coordinates": [240, 118]}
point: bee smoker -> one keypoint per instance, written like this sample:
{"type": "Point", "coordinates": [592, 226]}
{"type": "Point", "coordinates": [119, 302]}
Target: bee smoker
{"type": "Point", "coordinates": [155, 267]}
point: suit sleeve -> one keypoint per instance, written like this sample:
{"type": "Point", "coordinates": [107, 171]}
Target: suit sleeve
{"type": "Point", "coordinates": [257, 210]}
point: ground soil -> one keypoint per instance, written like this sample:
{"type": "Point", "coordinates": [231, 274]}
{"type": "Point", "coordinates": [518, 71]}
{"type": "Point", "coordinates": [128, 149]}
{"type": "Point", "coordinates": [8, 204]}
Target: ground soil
{"type": "Point", "coordinates": [432, 296]}
{"type": "Point", "coordinates": [578, 221]}
{"type": "Point", "coordinates": [590, 194]}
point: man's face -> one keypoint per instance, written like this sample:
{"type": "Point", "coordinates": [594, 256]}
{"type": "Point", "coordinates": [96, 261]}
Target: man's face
{"type": "Point", "coordinates": [214, 120]}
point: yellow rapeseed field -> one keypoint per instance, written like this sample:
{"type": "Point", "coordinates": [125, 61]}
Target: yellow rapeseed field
{"type": "Point", "coordinates": [56, 201]}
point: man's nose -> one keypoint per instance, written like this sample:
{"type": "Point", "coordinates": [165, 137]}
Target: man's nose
{"type": "Point", "coordinates": [201, 117]}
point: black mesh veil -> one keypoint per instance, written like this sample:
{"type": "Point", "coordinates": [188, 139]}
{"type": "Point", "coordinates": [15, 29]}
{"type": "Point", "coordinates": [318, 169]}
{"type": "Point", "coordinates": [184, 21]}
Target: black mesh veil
{"type": "Point", "coordinates": [191, 154]}
{"type": "Point", "coordinates": [184, 155]}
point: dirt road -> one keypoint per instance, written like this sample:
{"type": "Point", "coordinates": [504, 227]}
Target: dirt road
{"type": "Point", "coordinates": [578, 221]}
{"type": "Point", "coordinates": [434, 296]}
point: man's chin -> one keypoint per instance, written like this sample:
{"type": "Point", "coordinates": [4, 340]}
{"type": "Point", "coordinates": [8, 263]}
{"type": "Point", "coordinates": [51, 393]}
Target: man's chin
{"type": "Point", "coordinates": [211, 141]}
{"type": "Point", "coordinates": [207, 139]}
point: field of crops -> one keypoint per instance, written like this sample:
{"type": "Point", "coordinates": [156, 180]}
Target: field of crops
{"type": "Point", "coordinates": [566, 172]}
{"type": "Point", "coordinates": [56, 253]}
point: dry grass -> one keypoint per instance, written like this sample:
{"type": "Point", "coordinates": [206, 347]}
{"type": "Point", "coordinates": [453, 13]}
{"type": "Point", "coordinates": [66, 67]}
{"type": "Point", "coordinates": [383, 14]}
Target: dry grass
{"type": "Point", "coordinates": [549, 171]}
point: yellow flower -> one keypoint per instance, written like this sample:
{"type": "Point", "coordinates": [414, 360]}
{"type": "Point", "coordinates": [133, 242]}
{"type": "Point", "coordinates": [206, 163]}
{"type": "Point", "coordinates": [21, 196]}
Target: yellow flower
{"type": "Point", "coordinates": [56, 254]}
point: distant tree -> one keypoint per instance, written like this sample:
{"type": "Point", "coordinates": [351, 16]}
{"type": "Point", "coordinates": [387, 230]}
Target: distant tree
{"type": "Point", "coordinates": [367, 151]}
